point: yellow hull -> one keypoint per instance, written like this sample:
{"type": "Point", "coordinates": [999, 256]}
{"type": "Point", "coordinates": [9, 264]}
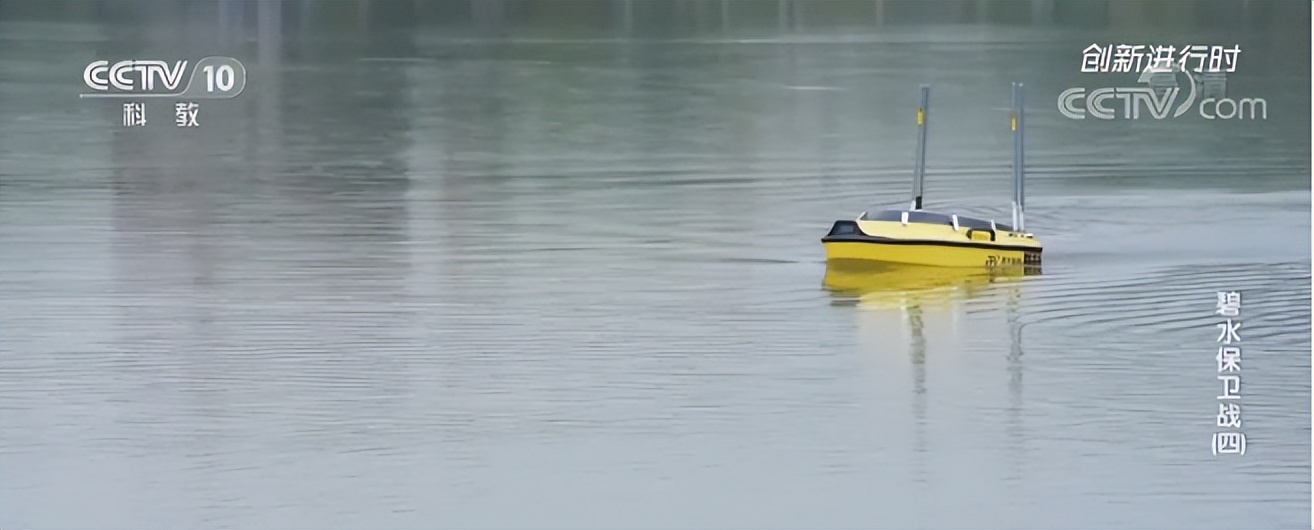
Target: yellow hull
{"type": "Point", "coordinates": [929, 244]}
{"type": "Point", "coordinates": [926, 254]}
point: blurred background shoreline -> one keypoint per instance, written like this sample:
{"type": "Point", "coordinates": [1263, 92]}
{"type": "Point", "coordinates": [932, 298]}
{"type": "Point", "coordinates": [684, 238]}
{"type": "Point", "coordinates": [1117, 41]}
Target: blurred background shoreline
{"type": "Point", "coordinates": [658, 17]}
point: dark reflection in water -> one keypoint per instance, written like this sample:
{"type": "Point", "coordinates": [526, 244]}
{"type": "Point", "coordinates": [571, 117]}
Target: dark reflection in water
{"type": "Point", "coordinates": [541, 272]}
{"type": "Point", "coordinates": [1015, 428]}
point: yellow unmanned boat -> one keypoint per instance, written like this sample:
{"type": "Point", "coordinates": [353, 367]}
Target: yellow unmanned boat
{"type": "Point", "coordinates": [918, 237]}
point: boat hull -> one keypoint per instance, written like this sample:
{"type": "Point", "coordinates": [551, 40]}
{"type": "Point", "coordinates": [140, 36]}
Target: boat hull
{"type": "Point", "coordinates": [930, 245]}
{"type": "Point", "coordinates": [932, 254]}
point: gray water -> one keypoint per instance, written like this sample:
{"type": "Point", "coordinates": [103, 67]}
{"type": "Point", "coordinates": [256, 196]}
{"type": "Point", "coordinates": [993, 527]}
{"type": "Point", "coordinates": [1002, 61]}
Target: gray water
{"type": "Point", "coordinates": [413, 279]}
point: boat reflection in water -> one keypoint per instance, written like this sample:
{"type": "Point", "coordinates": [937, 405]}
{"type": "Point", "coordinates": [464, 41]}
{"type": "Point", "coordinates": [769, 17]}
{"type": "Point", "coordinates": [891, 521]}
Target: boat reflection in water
{"type": "Point", "coordinates": [972, 319]}
{"type": "Point", "coordinates": [898, 286]}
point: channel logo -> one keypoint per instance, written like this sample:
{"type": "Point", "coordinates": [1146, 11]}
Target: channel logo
{"type": "Point", "coordinates": [211, 77]}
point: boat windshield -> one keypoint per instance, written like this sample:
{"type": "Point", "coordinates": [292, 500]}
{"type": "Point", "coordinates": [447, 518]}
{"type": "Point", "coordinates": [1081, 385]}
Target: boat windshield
{"type": "Point", "coordinates": [925, 217]}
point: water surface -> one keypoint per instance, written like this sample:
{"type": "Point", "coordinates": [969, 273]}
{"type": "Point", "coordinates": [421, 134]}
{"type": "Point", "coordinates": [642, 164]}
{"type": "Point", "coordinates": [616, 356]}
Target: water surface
{"type": "Point", "coordinates": [413, 279]}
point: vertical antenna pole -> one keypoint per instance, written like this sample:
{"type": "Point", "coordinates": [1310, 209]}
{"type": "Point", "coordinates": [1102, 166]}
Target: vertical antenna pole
{"type": "Point", "coordinates": [1019, 192]}
{"type": "Point", "coordinates": [919, 167]}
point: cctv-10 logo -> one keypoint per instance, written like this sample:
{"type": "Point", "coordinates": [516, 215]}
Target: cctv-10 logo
{"type": "Point", "coordinates": [212, 77]}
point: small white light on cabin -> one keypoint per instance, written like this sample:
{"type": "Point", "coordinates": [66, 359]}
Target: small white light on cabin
{"type": "Point", "coordinates": [904, 218]}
